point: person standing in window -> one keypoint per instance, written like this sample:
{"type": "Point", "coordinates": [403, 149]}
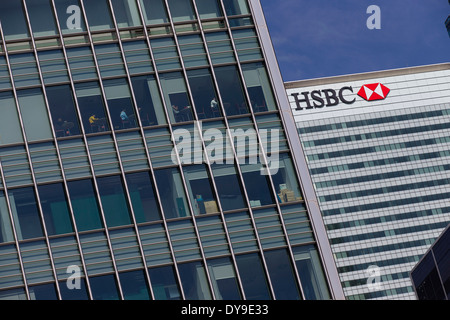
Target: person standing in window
{"type": "Point", "coordinates": [125, 119]}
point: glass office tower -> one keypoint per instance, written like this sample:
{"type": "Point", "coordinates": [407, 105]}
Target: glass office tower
{"type": "Point", "coordinates": [97, 198]}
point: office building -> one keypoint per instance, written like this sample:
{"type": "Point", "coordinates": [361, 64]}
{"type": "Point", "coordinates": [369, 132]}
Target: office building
{"type": "Point", "coordinates": [96, 202]}
{"type": "Point", "coordinates": [377, 146]}
{"type": "Point", "coordinates": [431, 276]}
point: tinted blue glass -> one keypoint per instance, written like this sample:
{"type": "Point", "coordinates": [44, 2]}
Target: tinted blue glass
{"type": "Point", "coordinates": [85, 205]}
{"type": "Point", "coordinates": [92, 107]}
{"type": "Point", "coordinates": [200, 189]}
{"type": "Point", "coordinates": [171, 191]}
{"type": "Point", "coordinates": [69, 15]}
{"type": "Point", "coordinates": [257, 187]}
{"type": "Point", "coordinates": [282, 275]}
{"type": "Point", "coordinates": [148, 100]}
{"type": "Point", "coordinates": [134, 285]}
{"type": "Point", "coordinates": [164, 285]}
{"type": "Point", "coordinates": [223, 278]}
{"type": "Point", "coordinates": [13, 294]}
{"type": "Point", "coordinates": [204, 94]}
{"type": "Point", "coordinates": [253, 277]}
{"type": "Point", "coordinates": [193, 279]}
{"type": "Point", "coordinates": [73, 294]}
{"type": "Point", "coordinates": [229, 186]}
{"type": "Point", "coordinates": [113, 199]}
{"type": "Point", "coordinates": [41, 17]}
{"type": "Point", "coordinates": [13, 20]}
{"type": "Point", "coordinates": [143, 197]}
{"type": "Point", "coordinates": [43, 292]}
{"type": "Point", "coordinates": [26, 213]}
{"type": "Point", "coordinates": [231, 89]}
{"type": "Point", "coordinates": [55, 208]}
{"type": "Point", "coordinates": [104, 288]}
{"type": "Point", "coordinates": [98, 15]}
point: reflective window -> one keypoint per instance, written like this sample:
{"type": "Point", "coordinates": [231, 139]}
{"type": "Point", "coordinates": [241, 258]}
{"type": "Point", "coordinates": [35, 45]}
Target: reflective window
{"type": "Point", "coordinates": [247, 44]}
{"type": "Point", "coordinates": [258, 87]}
{"type": "Point", "coordinates": [10, 129]}
{"type": "Point", "coordinates": [208, 9]}
{"type": "Point", "coordinates": [43, 292]}
{"type": "Point", "coordinates": [257, 185]}
{"type": "Point", "coordinates": [204, 94]}
{"type": "Point", "coordinates": [231, 90]}
{"type": "Point", "coordinates": [193, 51]}
{"type": "Point", "coordinates": [134, 285]}
{"type": "Point", "coordinates": [194, 282]}
{"type": "Point", "coordinates": [6, 232]}
{"type": "Point", "coordinates": [13, 294]}
{"type": "Point", "coordinates": [42, 18]}
{"type": "Point", "coordinates": [220, 48]}
{"type": "Point", "coordinates": [282, 275]}
{"type": "Point", "coordinates": [143, 197]}
{"type": "Point", "coordinates": [154, 11]}
{"type": "Point", "coordinates": [311, 273]}
{"type": "Point", "coordinates": [171, 191]}
{"type": "Point", "coordinates": [120, 104]}
{"type": "Point", "coordinates": [70, 18]}
{"type": "Point", "coordinates": [200, 189]}
{"type": "Point", "coordinates": [24, 69]}
{"type": "Point", "coordinates": [26, 214]}
{"type": "Point", "coordinates": [181, 10]}
{"type": "Point", "coordinates": [285, 180]}
{"type": "Point", "coordinates": [164, 284]}
{"type": "Point", "coordinates": [236, 7]}
{"type": "Point", "coordinates": [113, 199]}
{"type": "Point", "coordinates": [85, 205]}
{"type": "Point", "coordinates": [5, 82]}
{"type": "Point", "coordinates": [12, 16]}
{"type": "Point", "coordinates": [176, 97]}
{"type": "Point", "coordinates": [53, 66]}
{"type": "Point", "coordinates": [74, 294]}
{"type": "Point", "coordinates": [253, 277]}
{"type": "Point", "coordinates": [81, 63]}
{"type": "Point", "coordinates": [229, 186]}
{"type": "Point", "coordinates": [91, 106]}
{"type": "Point", "coordinates": [63, 110]}
{"type": "Point", "coordinates": [55, 209]}
{"type": "Point", "coordinates": [104, 287]}
{"type": "Point", "coordinates": [165, 53]}
{"type": "Point", "coordinates": [148, 99]}
{"type": "Point", "coordinates": [224, 280]}
{"type": "Point", "coordinates": [126, 13]}
{"type": "Point", "coordinates": [109, 60]}
{"type": "Point", "coordinates": [137, 56]}
{"type": "Point", "coordinates": [98, 15]}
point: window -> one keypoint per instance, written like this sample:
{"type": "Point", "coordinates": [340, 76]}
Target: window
{"type": "Point", "coordinates": [148, 100]}
{"type": "Point", "coordinates": [12, 16]}
{"type": "Point", "coordinates": [154, 11]}
{"type": "Point", "coordinates": [6, 233]}
{"type": "Point", "coordinates": [219, 46]}
{"type": "Point", "coordinates": [224, 280]}
{"type": "Point", "coordinates": [25, 213]}
{"type": "Point", "coordinates": [176, 97]}
{"type": "Point", "coordinates": [24, 70]}
{"type": "Point", "coordinates": [104, 287]}
{"type": "Point", "coordinates": [143, 198]}
{"type": "Point", "coordinates": [137, 56]}
{"type": "Point", "coordinates": [63, 110]}
{"type": "Point", "coordinates": [70, 18]}
{"type": "Point", "coordinates": [113, 199]}
{"type": "Point", "coordinates": [171, 191]}
{"type": "Point", "coordinates": [165, 54]}
{"type": "Point", "coordinates": [285, 181]}
{"type": "Point", "coordinates": [91, 106]}
{"type": "Point", "coordinates": [181, 10]}
{"type": "Point", "coordinates": [120, 104]}
{"type": "Point", "coordinates": [236, 7]}
{"type": "Point", "coordinates": [258, 87]}
{"type": "Point", "coordinates": [231, 89]}
{"type": "Point", "coordinates": [55, 209]}
{"type": "Point", "coordinates": [126, 13]}
{"type": "Point", "coordinates": [43, 292]}
{"type": "Point", "coordinates": [85, 205]}
{"type": "Point", "coordinates": [78, 294]}
{"type": "Point", "coordinates": [229, 186]}
{"type": "Point", "coordinates": [253, 277]}
{"type": "Point", "coordinates": [200, 189]}
{"type": "Point", "coordinates": [257, 185]}
{"type": "Point", "coordinates": [109, 60]}
{"type": "Point", "coordinates": [81, 63]}
{"type": "Point", "coordinates": [41, 17]}
{"type": "Point", "coordinates": [194, 282]}
{"type": "Point", "coordinates": [204, 94]}
{"type": "Point", "coordinates": [10, 129]}
{"type": "Point", "coordinates": [164, 284]}
{"type": "Point", "coordinates": [193, 51]}
{"type": "Point", "coordinates": [134, 285]}
{"type": "Point", "coordinates": [208, 9]}
{"type": "Point", "coordinates": [53, 66]}
{"type": "Point", "coordinates": [98, 15]}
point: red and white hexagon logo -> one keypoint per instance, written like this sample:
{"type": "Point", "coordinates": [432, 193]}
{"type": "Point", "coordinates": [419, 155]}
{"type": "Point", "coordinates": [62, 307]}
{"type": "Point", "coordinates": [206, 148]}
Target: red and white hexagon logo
{"type": "Point", "coordinates": [373, 92]}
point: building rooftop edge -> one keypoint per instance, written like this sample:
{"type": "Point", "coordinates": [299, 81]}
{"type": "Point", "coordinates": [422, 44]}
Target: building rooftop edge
{"type": "Point", "coordinates": [366, 75]}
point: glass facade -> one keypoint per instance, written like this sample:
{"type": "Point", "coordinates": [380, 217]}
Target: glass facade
{"type": "Point", "coordinates": [96, 198]}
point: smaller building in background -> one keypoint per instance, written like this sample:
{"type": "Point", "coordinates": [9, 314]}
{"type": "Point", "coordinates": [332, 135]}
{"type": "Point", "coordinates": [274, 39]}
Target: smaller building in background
{"type": "Point", "coordinates": [431, 276]}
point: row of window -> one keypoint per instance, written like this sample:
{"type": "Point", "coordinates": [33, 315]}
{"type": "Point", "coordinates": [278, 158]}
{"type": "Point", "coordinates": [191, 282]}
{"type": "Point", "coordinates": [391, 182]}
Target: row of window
{"type": "Point", "coordinates": [194, 281]}
{"type": "Point", "coordinates": [381, 294]}
{"type": "Point", "coordinates": [67, 16]}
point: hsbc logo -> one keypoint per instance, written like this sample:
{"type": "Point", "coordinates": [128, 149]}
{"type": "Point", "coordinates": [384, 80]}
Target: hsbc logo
{"type": "Point", "coordinates": [331, 97]}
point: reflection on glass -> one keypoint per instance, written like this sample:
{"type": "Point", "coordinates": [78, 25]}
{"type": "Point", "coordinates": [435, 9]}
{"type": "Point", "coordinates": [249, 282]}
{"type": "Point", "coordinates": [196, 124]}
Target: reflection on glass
{"type": "Point", "coordinates": [224, 280]}
{"type": "Point", "coordinates": [208, 9]}
{"type": "Point", "coordinates": [204, 94]}
{"type": "Point", "coordinates": [282, 275]}
{"type": "Point", "coordinates": [143, 197]}
{"type": "Point", "coordinates": [311, 273]}
{"type": "Point", "coordinates": [181, 10]}
{"type": "Point", "coordinates": [285, 180]}
{"type": "Point", "coordinates": [109, 60]}
{"type": "Point", "coordinates": [10, 131]}
{"type": "Point", "coordinates": [126, 13]}
{"type": "Point", "coordinates": [81, 63]}
{"type": "Point", "coordinates": [148, 100]}
{"type": "Point", "coordinates": [171, 191]}
{"type": "Point", "coordinates": [69, 15]}
{"type": "Point", "coordinates": [41, 17]}
{"type": "Point", "coordinates": [164, 284]}
{"type": "Point", "coordinates": [104, 287]}
{"type": "Point", "coordinates": [200, 189]}
{"type": "Point", "coordinates": [231, 89]}
{"type": "Point", "coordinates": [176, 97]}
{"type": "Point", "coordinates": [12, 16]}
{"type": "Point", "coordinates": [6, 233]}
{"type": "Point", "coordinates": [43, 292]}
{"type": "Point", "coordinates": [78, 294]}
{"type": "Point", "coordinates": [25, 213]}
{"type": "Point", "coordinates": [113, 200]}
{"type": "Point", "coordinates": [91, 106]}
{"type": "Point", "coordinates": [98, 15]}
{"type": "Point", "coordinates": [62, 108]}
{"type": "Point", "coordinates": [194, 282]}
{"type": "Point", "coordinates": [24, 69]}
{"type": "Point", "coordinates": [257, 185]}
{"type": "Point", "coordinates": [85, 205]}
{"type": "Point", "coordinates": [229, 187]}
{"type": "Point", "coordinates": [259, 88]}
{"type": "Point", "coordinates": [53, 66]}
{"type": "Point", "coordinates": [253, 277]}
{"type": "Point", "coordinates": [55, 209]}
{"type": "Point", "coordinates": [120, 104]}
{"type": "Point", "coordinates": [236, 7]}
{"type": "Point", "coordinates": [134, 285]}
{"type": "Point", "coordinates": [154, 11]}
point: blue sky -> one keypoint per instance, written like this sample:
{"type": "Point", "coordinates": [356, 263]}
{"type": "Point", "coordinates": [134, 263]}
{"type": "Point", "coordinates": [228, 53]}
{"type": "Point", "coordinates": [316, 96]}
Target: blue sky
{"type": "Point", "coordinates": [320, 38]}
